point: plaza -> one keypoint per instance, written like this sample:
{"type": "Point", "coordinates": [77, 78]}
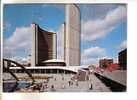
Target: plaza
{"type": "Point", "coordinates": [61, 84]}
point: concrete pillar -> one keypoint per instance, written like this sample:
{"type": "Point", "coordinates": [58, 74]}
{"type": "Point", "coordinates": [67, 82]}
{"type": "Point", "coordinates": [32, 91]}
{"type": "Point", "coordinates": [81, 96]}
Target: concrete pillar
{"type": "Point", "coordinates": [34, 60]}
{"type": "Point", "coordinates": [63, 41]}
{"type": "Point", "coordinates": [54, 46]}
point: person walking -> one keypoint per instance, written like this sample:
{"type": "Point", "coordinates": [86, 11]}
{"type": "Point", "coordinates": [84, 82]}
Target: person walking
{"type": "Point", "coordinates": [52, 88]}
{"type": "Point", "coordinates": [91, 87]}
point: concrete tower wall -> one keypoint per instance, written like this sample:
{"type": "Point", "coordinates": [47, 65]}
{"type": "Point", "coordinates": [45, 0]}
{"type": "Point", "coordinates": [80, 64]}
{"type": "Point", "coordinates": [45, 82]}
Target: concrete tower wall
{"type": "Point", "coordinates": [72, 34]}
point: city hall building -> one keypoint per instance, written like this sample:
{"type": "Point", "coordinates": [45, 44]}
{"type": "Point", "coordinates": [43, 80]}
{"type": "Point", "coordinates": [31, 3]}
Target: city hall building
{"type": "Point", "coordinates": [44, 42]}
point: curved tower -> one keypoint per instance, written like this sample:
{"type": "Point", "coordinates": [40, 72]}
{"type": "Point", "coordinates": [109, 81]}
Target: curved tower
{"type": "Point", "coordinates": [72, 35]}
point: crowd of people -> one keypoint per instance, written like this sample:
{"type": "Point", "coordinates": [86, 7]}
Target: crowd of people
{"type": "Point", "coordinates": [51, 86]}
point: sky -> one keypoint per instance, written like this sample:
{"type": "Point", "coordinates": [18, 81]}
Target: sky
{"type": "Point", "coordinates": [103, 29]}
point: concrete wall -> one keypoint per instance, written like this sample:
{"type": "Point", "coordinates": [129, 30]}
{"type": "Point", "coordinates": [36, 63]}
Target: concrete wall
{"type": "Point", "coordinates": [72, 35]}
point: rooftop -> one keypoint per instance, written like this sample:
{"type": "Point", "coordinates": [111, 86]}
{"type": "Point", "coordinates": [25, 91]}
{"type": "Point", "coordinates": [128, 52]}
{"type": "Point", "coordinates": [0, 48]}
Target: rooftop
{"type": "Point", "coordinates": [54, 60]}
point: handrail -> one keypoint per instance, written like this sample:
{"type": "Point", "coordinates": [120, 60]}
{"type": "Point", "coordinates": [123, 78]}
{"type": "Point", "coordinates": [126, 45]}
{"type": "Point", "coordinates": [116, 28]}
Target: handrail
{"type": "Point", "coordinates": [19, 65]}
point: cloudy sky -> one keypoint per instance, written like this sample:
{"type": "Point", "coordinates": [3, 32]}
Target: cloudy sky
{"type": "Point", "coordinates": [103, 29]}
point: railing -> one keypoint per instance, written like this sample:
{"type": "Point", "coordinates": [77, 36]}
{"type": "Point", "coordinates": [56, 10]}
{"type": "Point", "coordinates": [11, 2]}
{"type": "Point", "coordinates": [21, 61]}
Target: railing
{"type": "Point", "coordinates": [7, 63]}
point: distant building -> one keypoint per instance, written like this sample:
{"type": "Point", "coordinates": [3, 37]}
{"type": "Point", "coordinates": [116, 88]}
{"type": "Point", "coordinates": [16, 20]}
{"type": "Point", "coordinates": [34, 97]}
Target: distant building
{"type": "Point", "coordinates": [104, 63]}
{"type": "Point", "coordinates": [113, 67]}
{"type": "Point", "coordinates": [43, 45]}
{"type": "Point", "coordinates": [122, 59]}
{"type": "Point", "coordinates": [82, 75]}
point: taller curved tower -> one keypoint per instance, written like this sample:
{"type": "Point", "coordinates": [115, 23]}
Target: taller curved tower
{"type": "Point", "coordinates": [72, 35]}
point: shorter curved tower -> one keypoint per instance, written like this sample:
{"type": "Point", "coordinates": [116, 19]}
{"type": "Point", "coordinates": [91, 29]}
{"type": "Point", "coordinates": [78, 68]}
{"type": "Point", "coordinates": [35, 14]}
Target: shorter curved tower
{"type": "Point", "coordinates": [43, 45]}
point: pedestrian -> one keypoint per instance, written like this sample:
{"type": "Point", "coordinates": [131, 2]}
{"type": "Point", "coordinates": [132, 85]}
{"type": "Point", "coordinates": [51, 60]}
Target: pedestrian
{"type": "Point", "coordinates": [76, 83]}
{"type": "Point", "coordinates": [63, 86]}
{"type": "Point", "coordinates": [63, 78]}
{"type": "Point", "coordinates": [52, 88]}
{"type": "Point", "coordinates": [46, 86]}
{"type": "Point", "coordinates": [55, 79]}
{"type": "Point", "coordinates": [69, 83]}
{"type": "Point", "coordinates": [42, 88]}
{"type": "Point", "coordinates": [91, 86]}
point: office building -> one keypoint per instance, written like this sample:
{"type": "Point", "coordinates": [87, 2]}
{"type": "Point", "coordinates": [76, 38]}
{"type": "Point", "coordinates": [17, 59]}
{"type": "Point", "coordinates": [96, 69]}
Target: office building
{"type": "Point", "coordinates": [122, 59]}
